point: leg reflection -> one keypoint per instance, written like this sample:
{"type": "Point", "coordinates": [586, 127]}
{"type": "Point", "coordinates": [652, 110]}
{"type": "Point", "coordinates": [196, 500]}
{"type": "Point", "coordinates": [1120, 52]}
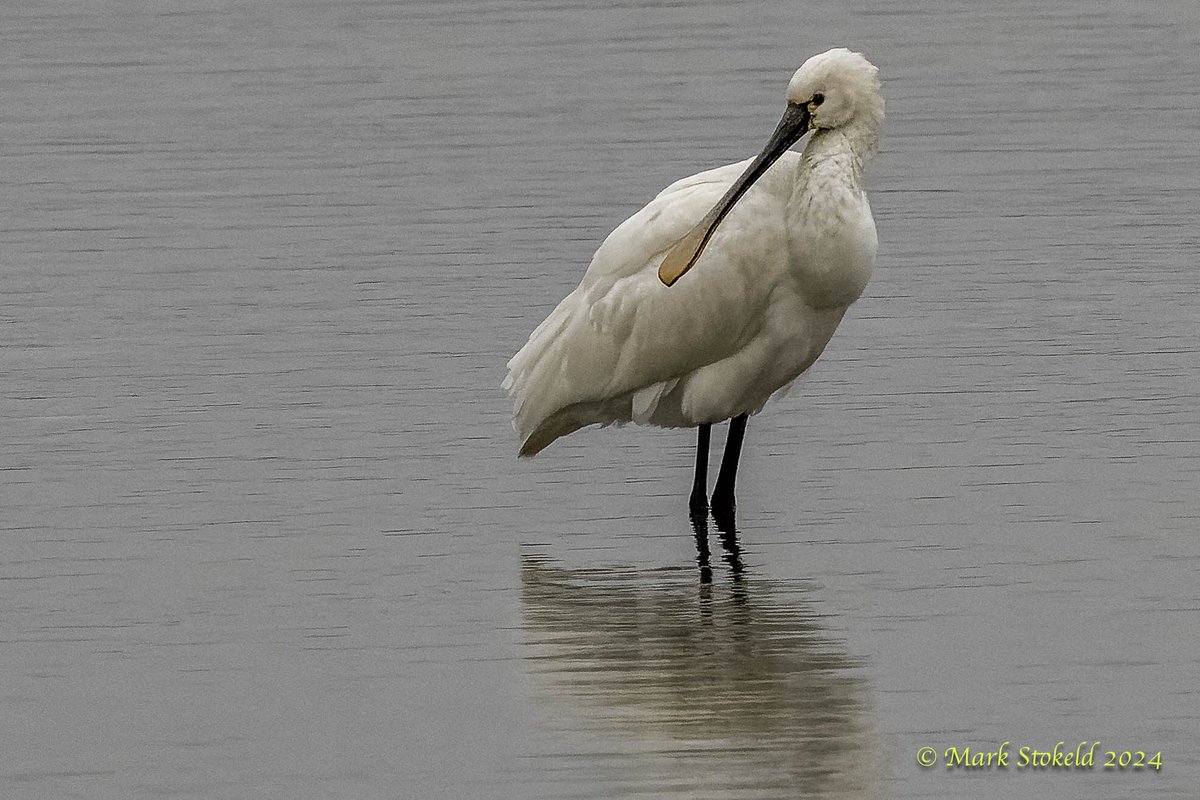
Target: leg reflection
{"type": "Point", "coordinates": [727, 528]}
{"type": "Point", "coordinates": [699, 517]}
{"type": "Point", "coordinates": [727, 531]}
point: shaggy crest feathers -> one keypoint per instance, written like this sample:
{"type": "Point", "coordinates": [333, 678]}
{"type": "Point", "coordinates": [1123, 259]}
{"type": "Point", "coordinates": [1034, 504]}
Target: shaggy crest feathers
{"type": "Point", "coordinates": [849, 85]}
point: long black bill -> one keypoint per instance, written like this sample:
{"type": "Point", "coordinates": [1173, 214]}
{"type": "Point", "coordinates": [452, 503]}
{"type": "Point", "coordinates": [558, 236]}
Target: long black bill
{"type": "Point", "coordinates": [688, 249]}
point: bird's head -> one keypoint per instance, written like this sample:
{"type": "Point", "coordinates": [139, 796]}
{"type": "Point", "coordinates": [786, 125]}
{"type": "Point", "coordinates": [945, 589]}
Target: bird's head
{"type": "Point", "coordinates": [836, 90]}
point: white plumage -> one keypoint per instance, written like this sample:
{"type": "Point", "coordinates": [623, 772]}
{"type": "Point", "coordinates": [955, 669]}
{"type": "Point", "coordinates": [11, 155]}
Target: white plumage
{"type": "Point", "coordinates": [773, 279]}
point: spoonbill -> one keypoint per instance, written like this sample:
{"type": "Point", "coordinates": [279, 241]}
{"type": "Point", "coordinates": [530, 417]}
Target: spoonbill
{"type": "Point", "coordinates": [722, 290]}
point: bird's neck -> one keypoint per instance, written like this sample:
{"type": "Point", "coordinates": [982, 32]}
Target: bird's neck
{"type": "Point", "coordinates": [831, 233]}
{"type": "Point", "coordinates": [841, 154]}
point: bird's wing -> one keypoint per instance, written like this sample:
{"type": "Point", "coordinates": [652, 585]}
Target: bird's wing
{"type": "Point", "coordinates": [649, 233]}
{"type": "Point", "coordinates": [622, 330]}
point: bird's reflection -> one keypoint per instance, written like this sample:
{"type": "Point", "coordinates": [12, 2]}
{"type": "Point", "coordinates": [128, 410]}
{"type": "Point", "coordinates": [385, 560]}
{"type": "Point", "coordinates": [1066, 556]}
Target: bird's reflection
{"type": "Point", "coordinates": [727, 533]}
{"type": "Point", "coordinates": [730, 689]}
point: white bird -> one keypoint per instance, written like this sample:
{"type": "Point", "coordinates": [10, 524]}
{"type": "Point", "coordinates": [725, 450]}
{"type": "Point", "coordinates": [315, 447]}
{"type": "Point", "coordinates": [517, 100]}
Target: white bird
{"type": "Point", "coordinates": [768, 254]}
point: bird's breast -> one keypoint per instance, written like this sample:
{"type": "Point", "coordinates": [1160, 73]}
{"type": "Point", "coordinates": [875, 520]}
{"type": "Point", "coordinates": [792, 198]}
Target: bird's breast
{"type": "Point", "coordinates": [832, 246]}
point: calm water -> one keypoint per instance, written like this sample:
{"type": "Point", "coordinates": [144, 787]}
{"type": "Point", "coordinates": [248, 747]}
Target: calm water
{"type": "Point", "coordinates": [264, 532]}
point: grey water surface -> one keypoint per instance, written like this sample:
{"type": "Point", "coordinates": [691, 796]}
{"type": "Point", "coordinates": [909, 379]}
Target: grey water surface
{"type": "Point", "coordinates": [263, 533]}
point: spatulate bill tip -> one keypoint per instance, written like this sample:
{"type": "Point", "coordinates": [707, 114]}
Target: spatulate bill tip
{"type": "Point", "coordinates": [682, 256]}
{"type": "Point", "coordinates": [668, 276]}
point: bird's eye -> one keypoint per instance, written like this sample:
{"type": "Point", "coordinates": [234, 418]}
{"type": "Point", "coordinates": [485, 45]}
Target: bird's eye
{"type": "Point", "coordinates": [818, 98]}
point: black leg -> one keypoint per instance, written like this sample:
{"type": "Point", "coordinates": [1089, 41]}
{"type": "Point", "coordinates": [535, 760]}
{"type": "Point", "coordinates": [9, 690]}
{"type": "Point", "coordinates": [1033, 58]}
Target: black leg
{"type": "Point", "coordinates": [699, 499]}
{"type": "Point", "coordinates": [722, 498]}
{"type": "Point", "coordinates": [698, 502]}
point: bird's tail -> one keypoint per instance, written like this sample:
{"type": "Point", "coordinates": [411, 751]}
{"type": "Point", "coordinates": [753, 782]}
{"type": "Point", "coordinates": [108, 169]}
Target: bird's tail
{"type": "Point", "coordinates": [533, 384]}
